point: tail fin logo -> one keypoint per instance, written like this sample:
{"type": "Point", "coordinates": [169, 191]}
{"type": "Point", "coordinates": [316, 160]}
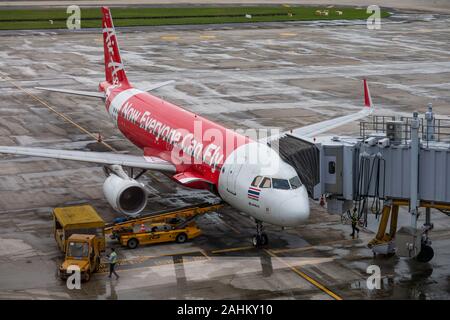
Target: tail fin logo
{"type": "Point", "coordinates": [114, 69]}
{"type": "Point", "coordinates": [116, 66]}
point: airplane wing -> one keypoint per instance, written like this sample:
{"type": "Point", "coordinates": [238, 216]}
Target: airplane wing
{"type": "Point", "coordinates": [101, 94]}
{"type": "Point", "coordinates": [320, 127]}
{"type": "Point", "coordinates": [105, 158]}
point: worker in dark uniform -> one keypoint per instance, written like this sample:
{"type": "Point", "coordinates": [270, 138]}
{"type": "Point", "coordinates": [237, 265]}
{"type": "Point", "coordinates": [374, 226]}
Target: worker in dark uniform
{"type": "Point", "coordinates": [112, 259]}
{"type": "Point", "coordinates": [355, 223]}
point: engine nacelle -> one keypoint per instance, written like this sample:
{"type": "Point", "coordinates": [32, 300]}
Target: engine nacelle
{"type": "Point", "coordinates": [125, 195]}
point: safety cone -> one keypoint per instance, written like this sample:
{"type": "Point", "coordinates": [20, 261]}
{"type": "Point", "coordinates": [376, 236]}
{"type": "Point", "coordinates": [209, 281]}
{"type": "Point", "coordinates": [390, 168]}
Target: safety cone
{"type": "Point", "coordinates": [322, 201]}
{"type": "Point", "coordinates": [142, 228]}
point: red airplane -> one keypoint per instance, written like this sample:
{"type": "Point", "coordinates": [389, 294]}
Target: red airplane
{"type": "Point", "coordinates": [195, 152]}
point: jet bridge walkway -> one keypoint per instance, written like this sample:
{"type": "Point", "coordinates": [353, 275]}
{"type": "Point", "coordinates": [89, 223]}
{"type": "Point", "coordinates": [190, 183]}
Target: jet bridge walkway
{"type": "Point", "coordinates": [395, 161]}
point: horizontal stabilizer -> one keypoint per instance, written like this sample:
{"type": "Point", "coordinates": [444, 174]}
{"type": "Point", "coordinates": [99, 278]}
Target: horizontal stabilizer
{"type": "Point", "coordinates": [158, 85]}
{"type": "Point", "coordinates": [75, 92]}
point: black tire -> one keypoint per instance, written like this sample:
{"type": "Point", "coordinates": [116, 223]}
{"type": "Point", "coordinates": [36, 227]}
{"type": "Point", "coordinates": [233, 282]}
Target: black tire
{"type": "Point", "coordinates": [426, 254]}
{"type": "Point", "coordinates": [133, 243]}
{"type": "Point", "coordinates": [264, 240]}
{"type": "Point", "coordinates": [181, 238]}
{"type": "Point", "coordinates": [260, 241]}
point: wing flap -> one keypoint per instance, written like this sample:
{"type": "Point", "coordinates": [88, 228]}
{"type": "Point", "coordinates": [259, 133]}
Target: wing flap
{"type": "Point", "coordinates": [105, 158]}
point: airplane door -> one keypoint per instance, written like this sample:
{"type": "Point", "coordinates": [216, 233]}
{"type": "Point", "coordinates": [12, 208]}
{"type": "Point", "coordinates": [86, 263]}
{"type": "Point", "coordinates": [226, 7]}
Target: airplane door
{"type": "Point", "coordinates": [232, 175]}
{"type": "Point", "coordinates": [333, 171]}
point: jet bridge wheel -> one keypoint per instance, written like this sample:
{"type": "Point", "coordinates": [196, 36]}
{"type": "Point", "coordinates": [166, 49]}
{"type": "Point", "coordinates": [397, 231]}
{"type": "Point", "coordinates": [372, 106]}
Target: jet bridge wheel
{"type": "Point", "coordinates": [426, 254]}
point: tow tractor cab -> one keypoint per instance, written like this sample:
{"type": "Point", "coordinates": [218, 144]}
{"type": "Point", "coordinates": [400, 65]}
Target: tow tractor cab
{"type": "Point", "coordinates": [80, 233]}
{"type": "Point", "coordinates": [82, 251]}
{"type": "Point", "coordinates": [80, 220]}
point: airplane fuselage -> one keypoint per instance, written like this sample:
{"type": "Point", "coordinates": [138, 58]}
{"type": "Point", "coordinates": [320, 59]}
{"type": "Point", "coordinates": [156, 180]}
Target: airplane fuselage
{"type": "Point", "coordinates": [209, 156]}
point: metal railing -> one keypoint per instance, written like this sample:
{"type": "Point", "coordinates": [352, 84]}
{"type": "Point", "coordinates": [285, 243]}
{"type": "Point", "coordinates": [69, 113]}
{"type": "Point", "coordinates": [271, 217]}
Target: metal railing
{"type": "Point", "coordinates": [378, 124]}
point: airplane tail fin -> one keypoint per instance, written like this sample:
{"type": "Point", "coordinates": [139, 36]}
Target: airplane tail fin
{"type": "Point", "coordinates": [114, 70]}
{"type": "Point", "coordinates": [367, 97]}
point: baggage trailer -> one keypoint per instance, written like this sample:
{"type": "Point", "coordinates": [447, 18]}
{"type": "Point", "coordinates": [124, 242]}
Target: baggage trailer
{"type": "Point", "coordinates": [168, 226]}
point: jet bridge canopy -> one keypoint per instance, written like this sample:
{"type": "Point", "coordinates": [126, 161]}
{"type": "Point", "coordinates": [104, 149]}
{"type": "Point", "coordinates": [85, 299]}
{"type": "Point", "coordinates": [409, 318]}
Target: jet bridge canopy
{"type": "Point", "coordinates": [304, 156]}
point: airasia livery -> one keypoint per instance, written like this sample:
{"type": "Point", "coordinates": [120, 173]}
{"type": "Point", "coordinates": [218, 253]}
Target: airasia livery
{"type": "Point", "coordinates": [192, 150]}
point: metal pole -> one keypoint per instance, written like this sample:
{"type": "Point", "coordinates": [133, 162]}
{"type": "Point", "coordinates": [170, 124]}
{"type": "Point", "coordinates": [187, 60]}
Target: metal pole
{"type": "Point", "coordinates": [414, 169]}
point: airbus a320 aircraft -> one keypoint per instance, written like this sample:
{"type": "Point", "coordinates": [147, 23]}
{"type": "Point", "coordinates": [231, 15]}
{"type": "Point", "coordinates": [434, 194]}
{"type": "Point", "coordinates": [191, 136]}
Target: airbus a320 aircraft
{"type": "Point", "coordinates": [195, 152]}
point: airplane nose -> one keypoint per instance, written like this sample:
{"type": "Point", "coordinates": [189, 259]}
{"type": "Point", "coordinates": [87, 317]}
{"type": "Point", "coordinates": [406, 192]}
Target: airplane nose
{"type": "Point", "coordinates": [295, 210]}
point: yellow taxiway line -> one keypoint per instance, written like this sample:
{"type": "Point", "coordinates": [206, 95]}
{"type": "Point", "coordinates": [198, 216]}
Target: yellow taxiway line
{"type": "Point", "coordinates": [288, 34]}
{"type": "Point", "coordinates": [305, 276]}
{"type": "Point", "coordinates": [206, 37]}
{"type": "Point", "coordinates": [232, 249]}
{"type": "Point", "coordinates": [170, 37]}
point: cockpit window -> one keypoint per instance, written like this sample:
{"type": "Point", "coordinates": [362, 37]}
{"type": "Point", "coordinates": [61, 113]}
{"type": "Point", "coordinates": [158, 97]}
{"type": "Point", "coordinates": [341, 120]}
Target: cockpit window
{"type": "Point", "coordinates": [280, 184]}
{"type": "Point", "coordinates": [256, 181]}
{"type": "Point", "coordinates": [295, 182]}
{"type": "Point", "coordinates": [265, 183]}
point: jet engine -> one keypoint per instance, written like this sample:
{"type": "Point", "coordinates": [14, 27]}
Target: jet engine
{"type": "Point", "coordinates": [125, 195]}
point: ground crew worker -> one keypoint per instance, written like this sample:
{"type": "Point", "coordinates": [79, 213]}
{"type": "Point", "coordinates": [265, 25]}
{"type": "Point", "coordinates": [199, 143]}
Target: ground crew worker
{"type": "Point", "coordinates": [112, 258]}
{"type": "Point", "coordinates": [355, 223]}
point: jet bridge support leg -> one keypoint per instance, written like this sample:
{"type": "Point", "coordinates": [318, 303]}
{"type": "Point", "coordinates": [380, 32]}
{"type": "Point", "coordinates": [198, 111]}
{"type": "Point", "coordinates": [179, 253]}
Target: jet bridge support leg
{"type": "Point", "coordinates": [383, 242]}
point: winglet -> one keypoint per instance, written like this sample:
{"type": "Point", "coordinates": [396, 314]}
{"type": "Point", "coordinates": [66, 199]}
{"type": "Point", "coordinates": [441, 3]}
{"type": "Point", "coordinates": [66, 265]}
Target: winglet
{"type": "Point", "coordinates": [367, 97]}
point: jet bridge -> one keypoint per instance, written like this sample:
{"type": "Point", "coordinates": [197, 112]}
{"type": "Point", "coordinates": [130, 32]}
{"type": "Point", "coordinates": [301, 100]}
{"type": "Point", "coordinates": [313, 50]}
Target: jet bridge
{"type": "Point", "coordinates": [394, 161]}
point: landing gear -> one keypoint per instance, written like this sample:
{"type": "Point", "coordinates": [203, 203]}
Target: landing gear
{"type": "Point", "coordinates": [260, 239]}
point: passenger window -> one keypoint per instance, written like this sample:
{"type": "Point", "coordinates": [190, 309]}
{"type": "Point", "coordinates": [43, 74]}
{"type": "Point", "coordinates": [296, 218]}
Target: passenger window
{"type": "Point", "coordinates": [256, 181]}
{"type": "Point", "coordinates": [280, 184]}
{"type": "Point", "coordinates": [265, 183]}
{"type": "Point", "coordinates": [295, 182]}
{"type": "Point", "coordinates": [331, 167]}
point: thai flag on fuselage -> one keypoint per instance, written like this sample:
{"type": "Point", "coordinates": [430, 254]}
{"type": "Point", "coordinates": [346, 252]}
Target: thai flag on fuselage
{"type": "Point", "coordinates": [253, 193]}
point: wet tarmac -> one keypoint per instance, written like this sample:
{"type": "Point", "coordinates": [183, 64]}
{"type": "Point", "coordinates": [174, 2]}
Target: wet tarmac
{"type": "Point", "coordinates": [272, 75]}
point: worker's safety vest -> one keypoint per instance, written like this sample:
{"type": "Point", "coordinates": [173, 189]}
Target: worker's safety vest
{"type": "Point", "coordinates": [113, 257]}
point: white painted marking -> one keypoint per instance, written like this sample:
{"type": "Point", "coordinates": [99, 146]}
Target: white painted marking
{"type": "Point", "coordinates": [119, 100]}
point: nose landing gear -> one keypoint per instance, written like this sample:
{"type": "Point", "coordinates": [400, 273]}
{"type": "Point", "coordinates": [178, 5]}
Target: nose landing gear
{"type": "Point", "coordinates": [260, 239]}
